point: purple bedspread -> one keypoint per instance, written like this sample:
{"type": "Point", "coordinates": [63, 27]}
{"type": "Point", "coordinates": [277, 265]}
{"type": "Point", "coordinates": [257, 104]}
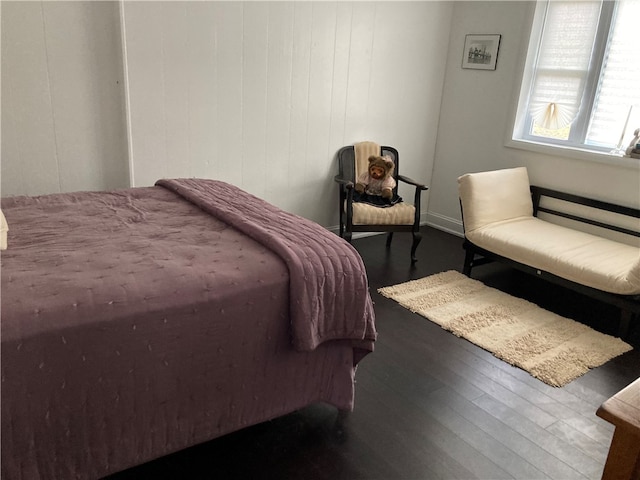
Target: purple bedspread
{"type": "Point", "coordinates": [328, 282]}
{"type": "Point", "coordinates": [136, 324]}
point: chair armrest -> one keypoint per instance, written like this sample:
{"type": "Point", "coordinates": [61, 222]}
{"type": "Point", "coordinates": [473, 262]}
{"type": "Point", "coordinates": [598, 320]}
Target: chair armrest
{"type": "Point", "coordinates": [412, 182]}
{"type": "Point", "coordinates": [348, 184]}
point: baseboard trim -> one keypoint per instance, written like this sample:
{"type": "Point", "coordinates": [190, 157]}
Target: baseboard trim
{"type": "Point", "coordinates": [444, 223]}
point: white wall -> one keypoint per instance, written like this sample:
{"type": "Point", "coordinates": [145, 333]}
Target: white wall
{"type": "Point", "coordinates": [262, 94]}
{"type": "Point", "coordinates": [62, 98]}
{"type": "Point", "coordinates": [476, 119]}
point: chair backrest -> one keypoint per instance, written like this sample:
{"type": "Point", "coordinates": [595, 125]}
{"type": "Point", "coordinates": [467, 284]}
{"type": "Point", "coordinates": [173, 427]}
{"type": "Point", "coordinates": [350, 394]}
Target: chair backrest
{"type": "Point", "coordinates": [489, 197]}
{"type": "Point", "coordinates": [364, 150]}
{"type": "Point", "coordinates": [347, 162]}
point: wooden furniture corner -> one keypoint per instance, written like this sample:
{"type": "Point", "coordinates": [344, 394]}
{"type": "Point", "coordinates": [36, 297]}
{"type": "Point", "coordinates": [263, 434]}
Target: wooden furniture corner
{"type": "Point", "coordinates": [623, 411]}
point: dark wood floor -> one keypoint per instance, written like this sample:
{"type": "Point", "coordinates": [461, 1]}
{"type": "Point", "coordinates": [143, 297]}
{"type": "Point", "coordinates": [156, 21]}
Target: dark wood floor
{"type": "Point", "coordinates": [429, 404]}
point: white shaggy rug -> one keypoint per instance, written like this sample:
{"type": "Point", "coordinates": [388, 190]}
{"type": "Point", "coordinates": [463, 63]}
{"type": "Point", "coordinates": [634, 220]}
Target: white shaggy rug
{"type": "Point", "coordinates": [552, 348]}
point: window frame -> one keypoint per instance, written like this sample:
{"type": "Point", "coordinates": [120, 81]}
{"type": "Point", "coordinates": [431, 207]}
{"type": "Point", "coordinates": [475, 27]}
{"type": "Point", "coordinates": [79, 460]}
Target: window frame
{"type": "Point", "coordinates": [523, 121]}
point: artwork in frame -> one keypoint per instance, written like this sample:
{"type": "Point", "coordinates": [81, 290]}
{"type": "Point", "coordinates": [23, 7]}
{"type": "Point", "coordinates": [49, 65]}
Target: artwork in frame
{"type": "Point", "coordinates": [481, 51]}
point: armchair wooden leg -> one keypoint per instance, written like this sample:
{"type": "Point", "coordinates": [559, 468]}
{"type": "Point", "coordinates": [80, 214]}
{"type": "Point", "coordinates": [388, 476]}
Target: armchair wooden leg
{"type": "Point", "coordinates": [417, 237]}
{"type": "Point", "coordinates": [389, 238]}
{"type": "Point", "coordinates": [347, 236]}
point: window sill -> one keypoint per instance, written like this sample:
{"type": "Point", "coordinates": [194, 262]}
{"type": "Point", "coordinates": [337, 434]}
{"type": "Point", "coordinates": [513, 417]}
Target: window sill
{"type": "Point", "coordinates": [575, 153]}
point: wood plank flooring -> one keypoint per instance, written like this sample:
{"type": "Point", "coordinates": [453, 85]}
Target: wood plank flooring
{"type": "Point", "coordinates": [428, 404]}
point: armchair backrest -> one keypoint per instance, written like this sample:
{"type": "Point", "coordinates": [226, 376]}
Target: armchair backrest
{"type": "Point", "coordinates": [489, 197]}
{"type": "Point", "coordinates": [363, 150]}
{"type": "Point", "coordinates": [347, 162]}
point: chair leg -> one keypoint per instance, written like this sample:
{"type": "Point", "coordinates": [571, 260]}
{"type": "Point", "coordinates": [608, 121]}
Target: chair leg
{"type": "Point", "coordinates": [468, 262]}
{"type": "Point", "coordinates": [389, 238]}
{"type": "Point", "coordinates": [417, 237]}
{"type": "Point", "coordinates": [347, 236]}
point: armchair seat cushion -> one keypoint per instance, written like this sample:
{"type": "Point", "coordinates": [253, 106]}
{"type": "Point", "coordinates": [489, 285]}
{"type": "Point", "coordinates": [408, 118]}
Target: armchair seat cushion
{"type": "Point", "coordinates": [575, 255]}
{"type": "Point", "coordinates": [399, 214]}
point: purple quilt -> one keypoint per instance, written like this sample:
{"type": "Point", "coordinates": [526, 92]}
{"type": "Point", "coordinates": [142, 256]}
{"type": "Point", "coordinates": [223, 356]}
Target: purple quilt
{"type": "Point", "coordinates": [328, 282]}
{"type": "Point", "coordinates": [139, 322]}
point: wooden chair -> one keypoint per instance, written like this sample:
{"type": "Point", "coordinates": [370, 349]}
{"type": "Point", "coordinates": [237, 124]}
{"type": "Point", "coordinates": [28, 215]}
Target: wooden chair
{"type": "Point", "coordinates": [361, 217]}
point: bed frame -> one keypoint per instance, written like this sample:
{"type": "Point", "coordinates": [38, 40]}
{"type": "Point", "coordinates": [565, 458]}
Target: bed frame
{"type": "Point", "coordinates": [629, 305]}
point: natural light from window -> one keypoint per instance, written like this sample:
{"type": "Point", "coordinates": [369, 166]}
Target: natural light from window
{"type": "Point", "coordinates": [581, 87]}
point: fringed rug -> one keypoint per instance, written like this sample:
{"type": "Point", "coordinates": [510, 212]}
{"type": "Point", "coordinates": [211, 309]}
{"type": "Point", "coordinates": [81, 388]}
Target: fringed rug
{"type": "Point", "coordinates": [552, 348]}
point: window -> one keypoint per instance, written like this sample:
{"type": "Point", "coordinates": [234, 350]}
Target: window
{"type": "Point", "coordinates": [581, 87]}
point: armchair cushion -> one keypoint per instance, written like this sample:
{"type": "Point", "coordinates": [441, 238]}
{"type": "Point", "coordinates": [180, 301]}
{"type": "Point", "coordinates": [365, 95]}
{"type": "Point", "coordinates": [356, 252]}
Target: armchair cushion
{"type": "Point", "coordinates": [489, 197]}
{"type": "Point", "coordinates": [398, 214]}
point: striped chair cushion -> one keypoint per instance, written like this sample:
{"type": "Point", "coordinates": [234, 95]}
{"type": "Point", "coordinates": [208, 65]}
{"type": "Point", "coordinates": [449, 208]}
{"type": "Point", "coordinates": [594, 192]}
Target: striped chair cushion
{"type": "Point", "coordinates": [400, 214]}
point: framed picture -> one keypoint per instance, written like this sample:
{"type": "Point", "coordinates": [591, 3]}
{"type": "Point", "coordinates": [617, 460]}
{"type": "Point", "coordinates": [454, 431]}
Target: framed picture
{"type": "Point", "coordinates": [481, 52]}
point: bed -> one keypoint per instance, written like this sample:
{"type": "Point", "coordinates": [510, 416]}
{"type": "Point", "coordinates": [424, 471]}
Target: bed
{"type": "Point", "coordinates": [139, 322]}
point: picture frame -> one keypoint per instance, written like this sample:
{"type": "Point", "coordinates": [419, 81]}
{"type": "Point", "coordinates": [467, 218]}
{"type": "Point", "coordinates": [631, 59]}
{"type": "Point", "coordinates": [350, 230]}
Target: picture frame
{"type": "Point", "coordinates": [481, 51]}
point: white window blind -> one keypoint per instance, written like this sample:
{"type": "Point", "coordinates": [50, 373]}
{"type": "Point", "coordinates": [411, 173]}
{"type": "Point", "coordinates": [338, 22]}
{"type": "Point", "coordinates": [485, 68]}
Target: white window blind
{"type": "Point", "coordinates": [619, 88]}
{"type": "Point", "coordinates": [563, 63]}
{"type": "Point", "coordinates": [585, 75]}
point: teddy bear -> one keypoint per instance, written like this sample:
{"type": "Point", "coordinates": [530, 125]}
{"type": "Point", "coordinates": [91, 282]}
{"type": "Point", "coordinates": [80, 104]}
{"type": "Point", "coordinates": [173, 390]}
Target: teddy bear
{"type": "Point", "coordinates": [378, 179]}
{"type": "Point", "coordinates": [633, 145]}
